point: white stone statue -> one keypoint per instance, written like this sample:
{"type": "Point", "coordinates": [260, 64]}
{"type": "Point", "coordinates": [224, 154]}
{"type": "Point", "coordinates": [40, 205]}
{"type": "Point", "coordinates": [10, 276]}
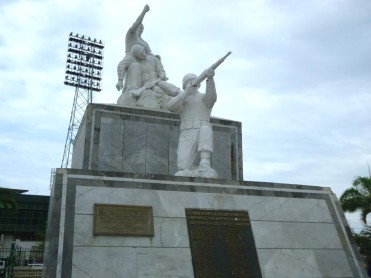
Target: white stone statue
{"type": "Point", "coordinates": [142, 76]}
{"type": "Point", "coordinates": [133, 36]}
{"type": "Point", "coordinates": [196, 133]}
{"type": "Point", "coordinates": [141, 70]}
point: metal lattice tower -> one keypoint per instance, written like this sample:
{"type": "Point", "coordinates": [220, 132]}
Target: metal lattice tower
{"type": "Point", "coordinates": [84, 72]}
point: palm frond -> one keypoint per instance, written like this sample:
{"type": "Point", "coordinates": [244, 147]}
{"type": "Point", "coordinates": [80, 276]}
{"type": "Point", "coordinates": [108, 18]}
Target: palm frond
{"type": "Point", "coordinates": [364, 213]}
{"type": "Point", "coordinates": [363, 184]}
{"type": "Point", "coordinates": [352, 200]}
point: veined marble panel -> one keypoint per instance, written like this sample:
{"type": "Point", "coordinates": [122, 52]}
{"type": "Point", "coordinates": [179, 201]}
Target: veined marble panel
{"type": "Point", "coordinates": [287, 209]}
{"type": "Point", "coordinates": [169, 232]}
{"type": "Point", "coordinates": [172, 203]}
{"type": "Point", "coordinates": [111, 142]}
{"type": "Point", "coordinates": [79, 147]}
{"type": "Point", "coordinates": [173, 147]}
{"type": "Point", "coordinates": [332, 263]}
{"type": "Point", "coordinates": [295, 235]}
{"type": "Point", "coordinates": [164, 263]}
{"type": "Point", "coordinates": [259, 207]}
{"type": "Point", "coordinates": [294, 263]}
{"type": "Point", "coordinates": [109, 262]}
{"type": "Point", "coordinates": [157, 155]}
{"type": "Point", "coordinates": [164, 203]}
{"type": "Point", "coordinates": [87, 196]}
{"type": "Point", "coordinates": [131, 262]}
{"type": "Point", "coordinates": [110, 162]}
{"type": "Point", "coordinates": [135, 144]}
{"type": "Point", "coordinates": [222, 155]}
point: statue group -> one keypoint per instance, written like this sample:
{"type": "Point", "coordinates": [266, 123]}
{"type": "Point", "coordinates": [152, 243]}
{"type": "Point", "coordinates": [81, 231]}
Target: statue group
{"type": "Point", "coordinates": [143, 82]}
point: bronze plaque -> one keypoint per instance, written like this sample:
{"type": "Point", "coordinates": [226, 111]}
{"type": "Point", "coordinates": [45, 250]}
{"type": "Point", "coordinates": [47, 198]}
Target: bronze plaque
{"type": "Point", "coordinates": [122, 220]}
{"type": "Point", "coordinates": [222, 244]}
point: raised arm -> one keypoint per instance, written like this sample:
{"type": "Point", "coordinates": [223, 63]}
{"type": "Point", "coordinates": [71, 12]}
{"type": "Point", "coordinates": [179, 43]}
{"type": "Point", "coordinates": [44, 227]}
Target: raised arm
{"type": "Point", "coordinates": [139, 20]}
{"type": "Point", "coordinates": [160, 69]}
{"type": "Point", "coordinates": [176, 103]}
{"type": "Point", "coordinates": [210, 95]}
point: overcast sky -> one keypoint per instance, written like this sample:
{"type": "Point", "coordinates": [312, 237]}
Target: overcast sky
{"type": "Point", "coordinates": [298, 79]}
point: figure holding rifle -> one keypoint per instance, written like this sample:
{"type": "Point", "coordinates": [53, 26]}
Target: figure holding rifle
{"type": "Point", "coordinates": [196, 135]}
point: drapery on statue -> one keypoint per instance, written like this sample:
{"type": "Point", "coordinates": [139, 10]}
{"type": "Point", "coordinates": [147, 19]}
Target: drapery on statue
{"type": "Point", "coordinates": [196, 133]}
{"type": "Point", "coordinates": [141, 70]}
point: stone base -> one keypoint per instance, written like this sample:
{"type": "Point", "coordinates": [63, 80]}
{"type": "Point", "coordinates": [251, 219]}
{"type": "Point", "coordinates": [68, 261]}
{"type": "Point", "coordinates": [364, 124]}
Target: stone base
{"type": "Point", "coordinates": [121, 139]}
{"type": "Point", "coordinates": [201, 172]}
{"type": "Point", "coordinates": [299, 231]}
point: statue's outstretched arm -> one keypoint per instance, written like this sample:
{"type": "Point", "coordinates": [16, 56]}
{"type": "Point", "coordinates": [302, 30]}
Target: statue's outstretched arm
{"type": "Point", "coordinates": [210, 94]}
{"type": "Point", "coordinates": [139, 19]}
{"type": "Point", "coordinates": [176, 103]}
{"type": "Point", "coordinates": [160, 69]}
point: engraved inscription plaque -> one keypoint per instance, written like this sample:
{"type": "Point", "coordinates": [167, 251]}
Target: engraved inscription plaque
{"type": "Point", "coordinates": [222, 244]}
{"type": "Point", "coordinates": [123, 220]}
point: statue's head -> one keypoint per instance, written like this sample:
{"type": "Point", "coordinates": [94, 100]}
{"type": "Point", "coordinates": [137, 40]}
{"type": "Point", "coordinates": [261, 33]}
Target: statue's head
{"type": "Point", "coordinates": [188, 79]}
{"type": "Point", "coordinates": [138, 52]}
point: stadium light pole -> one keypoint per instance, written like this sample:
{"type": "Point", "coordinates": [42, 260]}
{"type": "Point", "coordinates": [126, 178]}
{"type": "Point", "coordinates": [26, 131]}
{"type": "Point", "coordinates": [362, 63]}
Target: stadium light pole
{"type": "Point", "coordinates": [84, 72]}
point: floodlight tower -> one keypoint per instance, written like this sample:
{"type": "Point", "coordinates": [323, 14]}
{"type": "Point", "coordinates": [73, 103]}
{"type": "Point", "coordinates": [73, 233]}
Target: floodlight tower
{"type": "Point", "coordinates": [84, 72]}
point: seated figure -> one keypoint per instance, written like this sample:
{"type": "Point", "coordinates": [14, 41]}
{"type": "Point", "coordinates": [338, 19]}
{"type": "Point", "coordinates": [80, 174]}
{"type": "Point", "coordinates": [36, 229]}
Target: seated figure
{"type": "Point", "coordinates": [141, 71]}
{"type": "Point", "coordinates": [141, 84]}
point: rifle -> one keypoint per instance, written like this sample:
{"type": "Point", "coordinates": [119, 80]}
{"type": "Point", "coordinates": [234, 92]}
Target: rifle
{"type": "Point", "coordinates": [139, 91]}
{"type": "Point", "coordinates": [203, 75]}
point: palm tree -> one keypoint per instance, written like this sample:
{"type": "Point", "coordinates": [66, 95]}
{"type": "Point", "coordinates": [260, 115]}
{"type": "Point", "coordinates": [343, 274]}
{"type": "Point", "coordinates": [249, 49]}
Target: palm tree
{"type": "Point", "coordinates": [358, 197]}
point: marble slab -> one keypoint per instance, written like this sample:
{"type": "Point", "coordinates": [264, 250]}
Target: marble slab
{"type": "Point", "coordinates": [168, 203]}
{"type": "Point", "coordinates": [295, 235]}
{"type": "Point", "coordinates": [131, 262]}
{"type": "Point", "coordinates": [104, 262]}
{"type": "Point", "coordinates": [294, 263]}
{"type": "Point", "coordinates": [169, 232]}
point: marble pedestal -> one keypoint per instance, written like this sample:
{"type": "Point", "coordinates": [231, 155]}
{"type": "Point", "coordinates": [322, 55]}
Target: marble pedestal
{"type": "Point", "coordinates": [115, 138]}
{"type": "Point", "coordinates": [299, 231]}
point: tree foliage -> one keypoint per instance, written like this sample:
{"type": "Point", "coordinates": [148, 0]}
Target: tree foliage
{"type": "Point", "coordinates": [363, 241]}
{"type": "Point", "coordinates": [7, 200]}
{"type": "Point", "coordinates": [358, 197]}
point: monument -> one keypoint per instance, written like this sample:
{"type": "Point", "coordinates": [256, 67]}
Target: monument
{"type": "Point", "coordinates": [156, 189]}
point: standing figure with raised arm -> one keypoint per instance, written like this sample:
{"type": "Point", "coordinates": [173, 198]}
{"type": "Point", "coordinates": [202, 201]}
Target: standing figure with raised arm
{"type": "Point", "coordinates": [133, 37]}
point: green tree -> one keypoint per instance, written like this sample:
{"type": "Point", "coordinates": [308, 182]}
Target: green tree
{"type": "Point", "coordinates": [40, 237]}
{"type": "Point", "coordinates": [7, 199]}
{"type": "Point", "coordinates": [358, 197]}
{"type": "Point", "coordinates": [363, 241]}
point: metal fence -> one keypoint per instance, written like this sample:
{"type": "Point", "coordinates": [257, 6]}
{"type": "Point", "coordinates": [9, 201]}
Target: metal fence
{"type": "Point", "coordinates": [19, 257]}
{"type": "Point", "coordinates": [26, 257]}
